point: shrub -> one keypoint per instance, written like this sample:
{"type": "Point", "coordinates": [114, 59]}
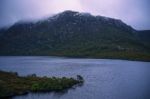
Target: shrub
{"type": "Point", "coordinates": [35, 87]}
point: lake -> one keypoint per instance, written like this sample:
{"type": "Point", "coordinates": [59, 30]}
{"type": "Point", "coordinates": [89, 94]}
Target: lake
{"type": "Point", "coordinates": [104, 78]}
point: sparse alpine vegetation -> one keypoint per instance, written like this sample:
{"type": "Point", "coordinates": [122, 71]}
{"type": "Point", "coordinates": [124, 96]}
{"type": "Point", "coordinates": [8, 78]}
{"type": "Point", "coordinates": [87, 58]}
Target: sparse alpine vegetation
{"type": "Point", "coordinates": [77, 35]}
{"type": "Point", "coordinates": [11, 84]}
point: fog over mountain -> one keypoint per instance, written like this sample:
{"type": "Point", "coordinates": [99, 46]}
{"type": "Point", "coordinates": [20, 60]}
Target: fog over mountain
{"type": "Point", "coordinates": [133, 12]}
{"type": "Point", "coordinates": [76, 34]}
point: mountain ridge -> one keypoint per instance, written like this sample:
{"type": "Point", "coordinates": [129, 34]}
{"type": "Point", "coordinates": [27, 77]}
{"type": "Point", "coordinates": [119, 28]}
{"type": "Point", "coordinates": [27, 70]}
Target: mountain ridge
{"type": "Point", "coordinates": [74, 34]}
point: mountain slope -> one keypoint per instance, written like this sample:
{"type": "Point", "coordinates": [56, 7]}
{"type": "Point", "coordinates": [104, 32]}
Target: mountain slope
{"type": "Point", "coordinates": [144, 36]}
{"type": "Point", "coordinates": [74, 34]}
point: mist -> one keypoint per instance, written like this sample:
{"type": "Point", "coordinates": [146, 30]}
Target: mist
{"type": "Point", "coordinates": [133, 12]}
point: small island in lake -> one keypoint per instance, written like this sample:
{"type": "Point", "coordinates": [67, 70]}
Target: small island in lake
{"type": "Point", "coordinates": [11, 84]}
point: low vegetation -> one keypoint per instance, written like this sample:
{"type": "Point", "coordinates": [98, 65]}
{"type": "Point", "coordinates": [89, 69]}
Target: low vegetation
{"type": "Point", "coordinates": [75, 34]}
{"type": "Point", "coordinates": [11, 84]}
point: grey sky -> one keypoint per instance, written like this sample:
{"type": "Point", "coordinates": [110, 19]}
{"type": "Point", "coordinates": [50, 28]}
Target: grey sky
{"type": "Point", "coordinates": [133, 12]}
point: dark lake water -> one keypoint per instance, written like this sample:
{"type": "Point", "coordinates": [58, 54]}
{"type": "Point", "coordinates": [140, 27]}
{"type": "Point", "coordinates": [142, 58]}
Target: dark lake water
{"type": "Point", "coordinates": [104, 78]}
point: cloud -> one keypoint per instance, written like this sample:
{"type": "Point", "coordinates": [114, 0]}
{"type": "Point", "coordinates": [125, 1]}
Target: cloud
{"type": "Point", "coordinates": [133, 12]}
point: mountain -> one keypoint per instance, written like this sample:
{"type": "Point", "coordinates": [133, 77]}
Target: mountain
{"type": "Point", "coordinates": [144, 36]}
{"type": "Point", "coordinates": [74, 34]}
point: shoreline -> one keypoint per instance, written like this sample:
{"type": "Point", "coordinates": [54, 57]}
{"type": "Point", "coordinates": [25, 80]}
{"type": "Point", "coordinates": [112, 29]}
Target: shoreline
{"type": "Point", "coordinates": [11, 84]}
{"type": "Point", "coordinates": [81, 57]}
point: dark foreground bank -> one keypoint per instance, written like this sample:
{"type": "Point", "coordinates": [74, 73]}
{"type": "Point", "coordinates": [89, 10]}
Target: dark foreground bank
{"type": "Point", "coordinates": [11, 84]}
